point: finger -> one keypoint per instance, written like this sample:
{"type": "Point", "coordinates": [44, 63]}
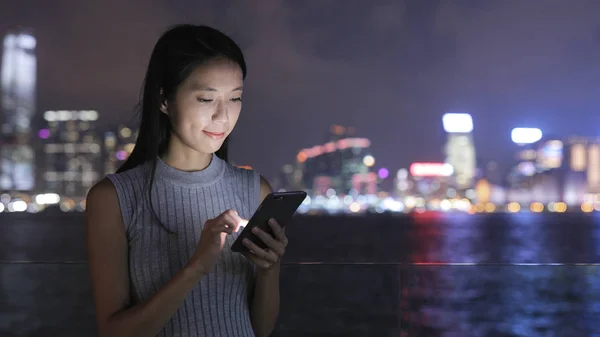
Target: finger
{"type": "Point", "coordinates": [222, 227]}
{"type": "Point", "coordinates": [278, 232]}
{"type": "Point", "coordinates": [228, 218]}
{"type": "Point", "coordinates": [261, 253]}
{"type": "Point", "coordinates": [258, 261]}
{"type": "Point", "coordinates": [268, 240]}
{"type": "Point", "coordinates": [236, 219]}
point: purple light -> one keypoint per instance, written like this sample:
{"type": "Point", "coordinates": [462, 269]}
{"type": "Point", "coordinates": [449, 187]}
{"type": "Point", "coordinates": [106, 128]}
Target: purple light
{"type": "Point", "coordinates": [121, 155]}
{"type": "Point", "coordinates": [383, 173]}
{"type": "Point", "coordinates": [44, 133]}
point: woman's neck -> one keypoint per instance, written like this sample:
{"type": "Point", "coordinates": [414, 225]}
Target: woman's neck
{"type": "Point", "coordinates": [186, 159]}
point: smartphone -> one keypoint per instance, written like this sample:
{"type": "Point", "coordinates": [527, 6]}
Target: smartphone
{"type": "Point", "coordinates": [280, 206]}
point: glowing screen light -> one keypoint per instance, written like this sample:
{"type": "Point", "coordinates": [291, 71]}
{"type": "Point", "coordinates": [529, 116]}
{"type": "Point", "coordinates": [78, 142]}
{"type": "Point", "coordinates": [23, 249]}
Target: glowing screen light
{"type": "Point", "coordinates": [526, 135]}
{"type": "Point", "coordinates": [457, 122]}
{"type": "Point", "coordinates": [383, 173]}
{"type": "Point", "coordinates": [431, 169]}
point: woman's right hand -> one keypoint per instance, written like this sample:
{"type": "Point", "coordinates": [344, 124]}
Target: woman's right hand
{"type": "Point", "coordinates": [212, 238]}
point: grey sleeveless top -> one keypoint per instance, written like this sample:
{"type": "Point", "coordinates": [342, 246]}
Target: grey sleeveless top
{"type": "Point", "coordinates": [182, 201]}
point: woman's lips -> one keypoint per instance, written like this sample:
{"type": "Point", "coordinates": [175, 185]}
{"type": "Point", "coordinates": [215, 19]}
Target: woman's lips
{"type": "Point", "coordinates": [215, 135]}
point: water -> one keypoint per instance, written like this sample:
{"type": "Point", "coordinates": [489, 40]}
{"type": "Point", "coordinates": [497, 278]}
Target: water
{"type": "Point", "coordinates": [381, 275]}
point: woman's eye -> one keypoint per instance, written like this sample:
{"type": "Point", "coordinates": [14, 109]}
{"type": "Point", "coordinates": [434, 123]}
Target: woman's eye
{"type": "Point", "coordinates": [237, 99]}
{"type": "Point", "coordinates": [204, 100]}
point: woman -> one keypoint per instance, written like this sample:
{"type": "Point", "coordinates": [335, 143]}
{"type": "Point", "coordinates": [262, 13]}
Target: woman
{"type": "Point", "coordinates": [159, 231]}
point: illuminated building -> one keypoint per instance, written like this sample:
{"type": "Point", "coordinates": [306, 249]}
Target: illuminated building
{"type": "Point", "coordinates": [553, 170]}
{"type": "Point", "coordinates": [343, 164]}
{"type": "Point", "coordinates": [460, 150]}
{"type": "Point", "coordinates": [18, 85]}
{"type": "Point", "coordinates": [118, 145]}
{"type": "Point", "coordinates": [290, 178]}
{"type": "Point", "coordinates": [432, 180]}
{"type": "Point", "coordinates": [73, 153]}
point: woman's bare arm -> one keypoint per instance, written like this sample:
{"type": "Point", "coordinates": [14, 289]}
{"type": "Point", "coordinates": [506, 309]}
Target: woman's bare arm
{"type": "Point", "coordinates": [109, 270]}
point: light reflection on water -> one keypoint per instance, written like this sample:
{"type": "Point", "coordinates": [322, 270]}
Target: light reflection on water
{"type": "Point", "coordinates": [490, 296]}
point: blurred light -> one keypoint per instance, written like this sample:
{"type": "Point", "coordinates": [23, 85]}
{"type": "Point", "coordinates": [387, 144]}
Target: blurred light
{"type": "Point", "coordinates": [17, 206]}
{"type": "Point", "coordinates": [457, 122]}
{"type": "Point", "coordinates": [489, 207]}
{"type": "Point", "coordinates": [129, 147]}
{"type": "Point", "coordinates": [383, 173]}
{"type": "Point", "coordinates": [330, 193]}
{"type": "Point", "coordinates": [1, 208]}
{"type": "Point", "coordinates": [121, 155]}
{"type": "Point", "coordinates": [431, 169]}
{"type": "Point", "coordinates": [513, 207]}
{"type": "Point", "coordinates": [523, 136]}
{"type": "Point", "coordinates": [560, 207]}
{"type": "Point", "coordinates": [536, 207]}
{"type": "Point", "coordinates": [5, 198]}
{"type": "Point", "coordinates": [354, 207]}
{"type": "Point", "coordinates": [70, 115]}
{"type": "Point", "coordinates": [587, 207]}
{"type": "Point", "coordinates": [526, 168]}
{"type": "Point", "coordinates": [445, 205]}
{"type": "Point", "coordinates": [392, 205]}
{"type": "Point", "coordinates": [402, 174]}
{"type": "Point", "coordinates": [47, 199]}
{"type": "Point", "coordinates": [125, 132]}
{"type": "Point", "coordinates": [578, 158]}
{"type": "Point", "coordinates": [301, 157]}
{"type": "Point", "coordinates": [307, 200]}
{"type": "Point", "coordinates": [410, 202]}
{"type": "Point", "coordinates": [462, 205]}
{"type": "Point", "coordinates": [44, 133]}
{"type": "Point", "coordinates": [369, 161]}
{"type": "Point", "coordinates": [551, 155]}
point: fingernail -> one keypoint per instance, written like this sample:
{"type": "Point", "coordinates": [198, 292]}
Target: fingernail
{"type": "Point", "coordinates": [246, 241]}
{"type": "Point", "coordinates": [255, 230]}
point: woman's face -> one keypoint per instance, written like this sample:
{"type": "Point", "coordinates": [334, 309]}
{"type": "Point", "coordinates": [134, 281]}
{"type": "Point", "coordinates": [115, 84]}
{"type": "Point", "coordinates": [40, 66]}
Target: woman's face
{"type": "Point", "coordinates": [207, 105]}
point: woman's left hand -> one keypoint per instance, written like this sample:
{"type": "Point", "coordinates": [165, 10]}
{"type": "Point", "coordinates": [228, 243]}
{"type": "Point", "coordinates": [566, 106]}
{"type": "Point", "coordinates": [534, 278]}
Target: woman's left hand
{"type": "Point", "coordinates": [276, 244]}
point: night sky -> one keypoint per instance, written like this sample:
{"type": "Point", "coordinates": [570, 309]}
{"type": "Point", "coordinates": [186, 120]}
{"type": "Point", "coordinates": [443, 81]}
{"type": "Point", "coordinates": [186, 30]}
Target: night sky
{"type": "Point", "coordinates": [390, 68]}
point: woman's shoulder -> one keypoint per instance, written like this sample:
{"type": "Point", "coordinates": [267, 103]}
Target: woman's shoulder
{"type": "Point", "coordinates": [242, 173]}
{"type": "Point", "coordinates": [128, 179]}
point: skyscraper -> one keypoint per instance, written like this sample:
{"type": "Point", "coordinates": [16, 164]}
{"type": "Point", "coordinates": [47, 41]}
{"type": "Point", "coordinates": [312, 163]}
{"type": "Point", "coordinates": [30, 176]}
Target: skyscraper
{"type": "Point", "coordinates": [18, 85]}
{"type": "Point", "coordinates": [460, 150]}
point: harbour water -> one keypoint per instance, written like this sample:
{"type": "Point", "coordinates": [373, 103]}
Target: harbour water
{"type": "Point", "coordinates": [428, 274]}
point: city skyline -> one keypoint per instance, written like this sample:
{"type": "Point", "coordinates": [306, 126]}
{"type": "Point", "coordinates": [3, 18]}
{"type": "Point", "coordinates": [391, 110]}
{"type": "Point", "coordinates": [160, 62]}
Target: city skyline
{"type": "Point", "coordinates": [414, 62]}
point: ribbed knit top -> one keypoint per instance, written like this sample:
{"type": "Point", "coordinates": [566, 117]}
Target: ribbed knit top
{"type": "Point", "coordinates": [183, 201]}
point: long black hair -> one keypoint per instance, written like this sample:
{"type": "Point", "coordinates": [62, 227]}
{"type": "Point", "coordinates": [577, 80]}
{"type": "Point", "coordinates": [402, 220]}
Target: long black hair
{"type": "Point", "coordinates": [177, 53]}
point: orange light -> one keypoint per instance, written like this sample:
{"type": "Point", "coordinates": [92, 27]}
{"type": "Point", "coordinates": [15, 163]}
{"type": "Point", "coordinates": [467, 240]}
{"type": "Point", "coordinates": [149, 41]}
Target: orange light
{"type": "Point", "coordinates": [560, 207]}
{"type": "Point", "coordinates": [245, 167]}
{"type": "Point", "coordinates": [301, 157]}
{"type": "Point", "coordinates": [587, 207]}
{"type": "Point", "coordinates": [513, 207]}
{"type": "Point", "coordinates": [536, 207]}
{"type": "Point", "coordinates": [489, 207]}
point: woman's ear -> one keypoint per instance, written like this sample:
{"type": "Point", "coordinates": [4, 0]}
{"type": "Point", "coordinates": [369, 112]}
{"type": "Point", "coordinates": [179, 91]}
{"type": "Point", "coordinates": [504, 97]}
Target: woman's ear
{"type": "Point", "coordinates": [163, 104]}
{"type": "Point", "coordinates": [163, 108]}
